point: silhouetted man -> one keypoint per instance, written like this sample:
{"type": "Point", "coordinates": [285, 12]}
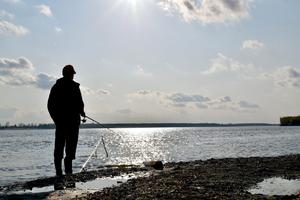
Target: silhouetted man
{"type": "Point", "coordinates": [65, 106]}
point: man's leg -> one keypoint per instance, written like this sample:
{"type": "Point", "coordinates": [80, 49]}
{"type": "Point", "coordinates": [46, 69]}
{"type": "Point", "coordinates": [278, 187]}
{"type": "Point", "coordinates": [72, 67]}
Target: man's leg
{"type": "Point", "coordinates": [59, 150]}
{"type": "Point", "coordinates": [71, 145]}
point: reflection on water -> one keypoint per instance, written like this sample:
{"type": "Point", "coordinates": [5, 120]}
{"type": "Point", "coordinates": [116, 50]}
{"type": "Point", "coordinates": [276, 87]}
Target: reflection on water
{"type": "Point", "coordinates": [28, 154]}
{"type": "Point", "coordinates": [100, 183]}
{"type": "Point", "coordinates": [277, 186]}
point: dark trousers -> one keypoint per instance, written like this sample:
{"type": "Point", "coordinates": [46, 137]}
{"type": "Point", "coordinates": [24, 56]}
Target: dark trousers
{"type": "Point", "coordinates": [66, 137]}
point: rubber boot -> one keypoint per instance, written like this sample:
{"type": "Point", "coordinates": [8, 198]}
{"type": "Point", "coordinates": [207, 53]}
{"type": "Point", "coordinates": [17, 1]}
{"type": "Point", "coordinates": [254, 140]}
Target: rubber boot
{"type": "Point", "coordinates": [59, 183]}
{"type": "Point", "coordinates": [69, 181]}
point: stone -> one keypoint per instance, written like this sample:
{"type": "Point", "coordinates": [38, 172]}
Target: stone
{"type": "Point", "coordinates": [158, 165]}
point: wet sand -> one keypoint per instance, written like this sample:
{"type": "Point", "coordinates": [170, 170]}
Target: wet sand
{"type": "Point", "coordinates": [228, 178]}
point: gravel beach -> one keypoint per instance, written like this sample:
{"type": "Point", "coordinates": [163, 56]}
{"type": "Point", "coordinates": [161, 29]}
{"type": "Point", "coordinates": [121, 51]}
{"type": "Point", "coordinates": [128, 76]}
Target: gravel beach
{"type": "Point", "coordinates": [228, 178]}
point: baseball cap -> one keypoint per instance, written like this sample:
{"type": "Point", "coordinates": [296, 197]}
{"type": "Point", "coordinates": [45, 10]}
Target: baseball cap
{"type": "Point", "coordinates": [68, 69]}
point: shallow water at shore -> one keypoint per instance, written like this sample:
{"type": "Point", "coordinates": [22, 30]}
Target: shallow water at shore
{"type": "Point", "coordinates": [27, 154]}
{"type": "Point", "coordinates": [83, 187]}
{"type": "Point", "coordinates": [277, 186]}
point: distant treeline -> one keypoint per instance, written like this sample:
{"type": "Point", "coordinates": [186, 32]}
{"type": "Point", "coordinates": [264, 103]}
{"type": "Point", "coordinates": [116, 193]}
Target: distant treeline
{"type": "Point", "coordinates": [133, 125]}
{"type": "Point", "coordinates": [27, 126]}
{"type": "Point", "coordinates": [290, 121]}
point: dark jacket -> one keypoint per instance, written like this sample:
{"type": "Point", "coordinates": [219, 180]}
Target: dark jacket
{"type": "Point", "coordinates": [65, 103]}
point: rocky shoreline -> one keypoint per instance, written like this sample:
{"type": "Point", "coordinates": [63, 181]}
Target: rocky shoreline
{"type": "Point", "coordinates": [227, 178]}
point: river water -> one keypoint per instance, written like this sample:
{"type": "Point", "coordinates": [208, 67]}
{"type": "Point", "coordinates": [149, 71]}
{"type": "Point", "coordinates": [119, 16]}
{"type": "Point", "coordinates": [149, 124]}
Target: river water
{"type": "Point", "coordinates": [28, 154]}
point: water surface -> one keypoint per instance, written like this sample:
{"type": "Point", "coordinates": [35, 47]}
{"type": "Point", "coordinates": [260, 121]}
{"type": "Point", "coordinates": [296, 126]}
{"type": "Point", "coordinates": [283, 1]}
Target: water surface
{"type": "Point", "coordinates": [28, 154]}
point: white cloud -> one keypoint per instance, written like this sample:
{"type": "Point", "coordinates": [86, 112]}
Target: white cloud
{"type": "Point", "coordinates": [5, 14]}
{"type": "Point", "coordinates": [223, 64]}
{"type": "Point", "coordinates": [208, 11]}
{"type": "Point", "coordinates": [7, 28]}
{"type": "Point", "coordinates": [16, 72]}
{"type": "Point", "coordinates": [220, 100]}
{"type": "Point", "coordinates": [182, 101]}
{"type": "Point", "coordinates": [45, 81]}
{"type": "Point", "coordinates": [100, 92]}
{"type": "Point", "coordinates": [19, 72]}
{"type": "Point", "coordinates": [17, 77]}
{"type": "Point", "coordinates": [141, 72]}
{"type": "Point", "coordinates": [20, 63]}
{"type": "Point", "coordinates": [58, 29]}
{"type": "Point", "coordinates": [285, 77]}
{"type": "Point", "coordinates": [184, 98]}
{"type": "Point", "coordinates": [252, 44]}
{"type": "Point", "coordinates": [145, 93]}
{"type": "Point", "coordinates": [45, 10]}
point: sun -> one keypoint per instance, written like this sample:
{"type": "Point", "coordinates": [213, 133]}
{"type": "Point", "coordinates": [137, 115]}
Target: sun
{"type": "Point", "coordinates": [133, 4]}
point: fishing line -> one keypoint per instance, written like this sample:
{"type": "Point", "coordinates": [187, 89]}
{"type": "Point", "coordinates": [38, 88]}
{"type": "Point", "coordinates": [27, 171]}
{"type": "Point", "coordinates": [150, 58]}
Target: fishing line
{"type": "Point", "coordinates": [101, 140]}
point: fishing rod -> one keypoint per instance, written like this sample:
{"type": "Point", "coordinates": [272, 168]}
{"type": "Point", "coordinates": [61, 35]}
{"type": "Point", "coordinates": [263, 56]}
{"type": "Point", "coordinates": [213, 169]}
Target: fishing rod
{"type": "Point", "coordinates": [98, 143]}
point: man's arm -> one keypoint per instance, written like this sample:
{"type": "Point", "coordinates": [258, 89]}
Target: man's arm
{"type": "Point", "coordinates": [51, 104]}
{"type": "Point", "coordinates": [81, 104]}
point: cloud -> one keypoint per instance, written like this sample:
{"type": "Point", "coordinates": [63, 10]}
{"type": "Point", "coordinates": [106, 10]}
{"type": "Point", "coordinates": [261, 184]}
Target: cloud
{"type": "Point", "coordinates": [182, 100]}
{"type": "Point", "coordinates": [245, 104]}
{"type": "Point", "coordinates": [100, 92]}
{"type": "Point", "coordinates": [220, 100]}
{"type": "Point", "coordinates": [201, 106]}
{"type": "Point", "coordinates": [57, 29]}
{"type": "Point", "coordinates": [5, 14]}
{"type": "Point", "coordinates": [45, 81]}
{"type": "Point", "coordinates": [20, 63]}
{"type": "Point", "coordinates": [226, 103]}
{"type": "Point", "coordinates": [16, 72]}
{"type": "Point", "coordinates": [285, 77]}
{"type": "Point", "coordinates": [19, 72]}
{"type": "Point", "coordinates": [252, 44]}
{"type": "Point", "coordinates": [7, 28]}
{"type": "Point", "coordinates": [145, 94]}
{"type": "Point", "coordinates": [17, 77]}
{"type": "Point", "coordinates": [141, 72]}
{"type": "Point", "coordinates": [223, 64]}
{"type": "Point", "coordinates": [208, 11]}
{"type": "Point", "coordinates": [45, 10]}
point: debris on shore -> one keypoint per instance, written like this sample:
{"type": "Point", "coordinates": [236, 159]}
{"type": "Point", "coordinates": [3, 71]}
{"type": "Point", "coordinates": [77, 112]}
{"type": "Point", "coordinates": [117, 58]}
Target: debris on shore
{"type": "Point", "coordinates": [228, 178]}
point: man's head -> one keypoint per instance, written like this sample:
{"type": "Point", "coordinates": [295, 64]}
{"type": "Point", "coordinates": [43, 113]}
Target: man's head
{"type": "Point", "coordinates": [68, 71]}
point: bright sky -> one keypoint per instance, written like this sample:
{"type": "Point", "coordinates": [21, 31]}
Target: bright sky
{"type": "Point", "coordinates": [153, 60]}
